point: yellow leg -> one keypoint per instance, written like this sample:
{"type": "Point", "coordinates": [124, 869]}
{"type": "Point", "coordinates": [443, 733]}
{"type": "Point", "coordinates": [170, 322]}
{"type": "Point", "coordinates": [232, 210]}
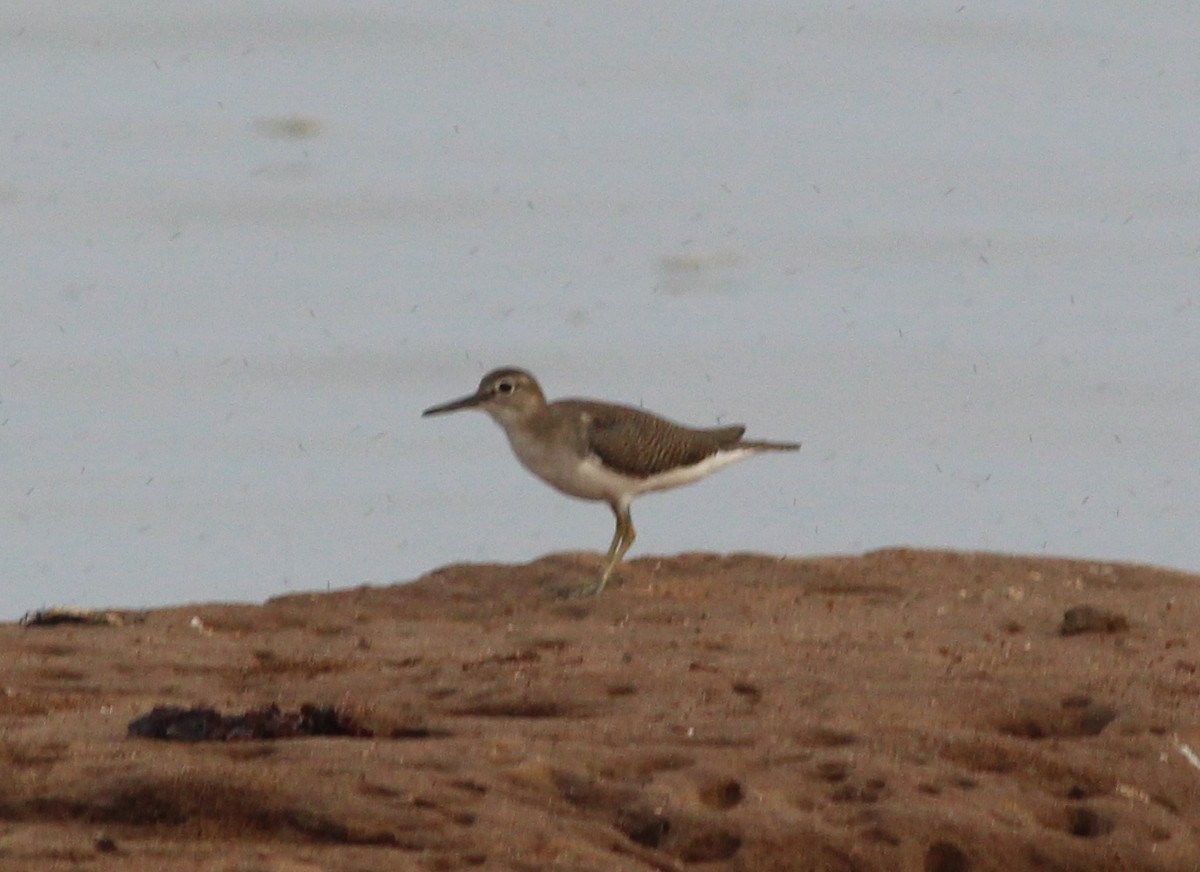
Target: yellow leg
{"type": "Point", "coordinates": [622, 539]}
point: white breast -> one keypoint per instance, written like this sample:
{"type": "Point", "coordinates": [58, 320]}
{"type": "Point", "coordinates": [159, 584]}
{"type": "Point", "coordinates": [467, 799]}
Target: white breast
{"type": "Point", "coordinates": [561, 469]}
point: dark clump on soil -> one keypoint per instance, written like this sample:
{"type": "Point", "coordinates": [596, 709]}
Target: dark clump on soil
{"type": "Point", "coordinates": [1090, 619]}
{"type": "Point", "coordinates": [204, 724]}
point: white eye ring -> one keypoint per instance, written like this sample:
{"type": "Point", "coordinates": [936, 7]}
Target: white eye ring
{"type": "Point", "coordinates": [505, 387]}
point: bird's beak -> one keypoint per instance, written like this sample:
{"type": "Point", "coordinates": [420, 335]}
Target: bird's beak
{"type": "Point", "coordinates": [454, 405]}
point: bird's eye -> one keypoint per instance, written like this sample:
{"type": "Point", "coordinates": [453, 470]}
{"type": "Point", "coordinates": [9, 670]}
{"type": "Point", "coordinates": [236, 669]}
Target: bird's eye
{"type": "Point", "coordinates": [505, 387]}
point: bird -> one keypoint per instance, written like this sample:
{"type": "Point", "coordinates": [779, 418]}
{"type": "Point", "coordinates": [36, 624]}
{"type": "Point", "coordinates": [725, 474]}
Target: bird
{"type": "Point", "coordinates": [602, 451]}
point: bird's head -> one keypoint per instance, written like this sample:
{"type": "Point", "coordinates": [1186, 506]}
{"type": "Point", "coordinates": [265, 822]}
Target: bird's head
{"type": "Point", "coordinates": [507, 394]}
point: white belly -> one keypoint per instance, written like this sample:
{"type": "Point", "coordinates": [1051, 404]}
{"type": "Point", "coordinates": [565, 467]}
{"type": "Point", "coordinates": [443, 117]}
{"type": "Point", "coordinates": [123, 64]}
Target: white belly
{"type": "Point", "coordinates": [588, 479]}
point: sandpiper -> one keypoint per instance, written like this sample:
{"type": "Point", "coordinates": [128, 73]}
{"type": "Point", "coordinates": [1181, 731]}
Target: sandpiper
{"type": "Point", "coordinates": [603, 451]}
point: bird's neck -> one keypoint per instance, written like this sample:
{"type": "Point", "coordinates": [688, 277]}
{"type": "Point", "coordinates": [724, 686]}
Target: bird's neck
{"type": "Point", "coordinates": [525, 424]}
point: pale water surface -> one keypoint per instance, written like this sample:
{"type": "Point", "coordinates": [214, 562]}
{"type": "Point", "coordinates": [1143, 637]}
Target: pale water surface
{"type": "Point", "coordinates": [954, 248]}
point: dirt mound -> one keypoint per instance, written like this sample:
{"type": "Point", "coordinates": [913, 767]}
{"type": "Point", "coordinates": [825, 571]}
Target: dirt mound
{"type": "Point", "coordinates": [901, 710]}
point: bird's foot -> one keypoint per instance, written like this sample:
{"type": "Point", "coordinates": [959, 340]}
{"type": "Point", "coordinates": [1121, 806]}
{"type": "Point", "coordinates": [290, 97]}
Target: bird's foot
{"type": "Point", "coordinates": [594, 588]}
{"type": "Point", "coordinates": [588, 590]}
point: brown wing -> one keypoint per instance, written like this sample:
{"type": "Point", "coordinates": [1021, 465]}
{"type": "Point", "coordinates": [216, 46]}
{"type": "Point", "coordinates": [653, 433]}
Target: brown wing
{"type": "Point", "coordinates": [640, 444]}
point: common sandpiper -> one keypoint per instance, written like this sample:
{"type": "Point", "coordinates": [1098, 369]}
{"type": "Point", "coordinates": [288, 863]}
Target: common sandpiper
{"type": "Point", "coordinates": [603, 451]}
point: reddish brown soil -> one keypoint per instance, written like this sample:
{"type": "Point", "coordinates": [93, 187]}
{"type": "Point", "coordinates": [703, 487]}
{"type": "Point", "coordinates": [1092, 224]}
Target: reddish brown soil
{"type": "Point", "coordinates": [903, 710]}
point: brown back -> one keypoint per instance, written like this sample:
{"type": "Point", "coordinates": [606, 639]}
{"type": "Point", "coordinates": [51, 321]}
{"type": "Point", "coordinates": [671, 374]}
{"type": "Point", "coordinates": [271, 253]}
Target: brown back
{"type": "Point", "coordinates": [639, 444]}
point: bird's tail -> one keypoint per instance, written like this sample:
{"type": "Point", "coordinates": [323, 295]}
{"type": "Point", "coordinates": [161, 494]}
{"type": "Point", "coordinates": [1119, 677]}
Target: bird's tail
{"type": "Point", "coordinates": [768, 446]}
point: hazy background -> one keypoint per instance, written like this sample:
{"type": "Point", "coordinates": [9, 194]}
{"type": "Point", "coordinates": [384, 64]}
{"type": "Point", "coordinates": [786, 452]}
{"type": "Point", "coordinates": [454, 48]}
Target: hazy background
{"type": "Point", "coordinates": [953, 247]}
